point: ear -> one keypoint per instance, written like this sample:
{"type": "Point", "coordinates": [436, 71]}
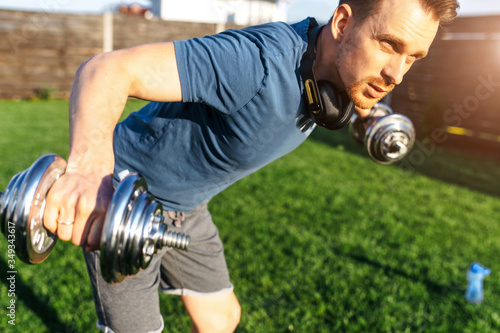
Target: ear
{"type": "Point", "coordinates": [340, 20]}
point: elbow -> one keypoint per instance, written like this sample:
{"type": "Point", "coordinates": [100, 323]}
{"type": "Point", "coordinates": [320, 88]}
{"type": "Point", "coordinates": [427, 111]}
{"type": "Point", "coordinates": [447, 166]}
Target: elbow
{"type": "Point", "coordinates": [90, 64]}
{"type": "Point", "coordinates": [101, 69]}
{"type": "Point", "coordinates": [98, 77]}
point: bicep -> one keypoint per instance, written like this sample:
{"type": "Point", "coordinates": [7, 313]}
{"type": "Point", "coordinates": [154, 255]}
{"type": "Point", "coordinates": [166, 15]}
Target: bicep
{"type": "Point", "coordinates": [152, 71]}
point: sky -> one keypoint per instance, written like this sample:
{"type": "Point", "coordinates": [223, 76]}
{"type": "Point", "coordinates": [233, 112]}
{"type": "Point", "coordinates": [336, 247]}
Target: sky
{"type": "Point", "coordinates": [299, 9]}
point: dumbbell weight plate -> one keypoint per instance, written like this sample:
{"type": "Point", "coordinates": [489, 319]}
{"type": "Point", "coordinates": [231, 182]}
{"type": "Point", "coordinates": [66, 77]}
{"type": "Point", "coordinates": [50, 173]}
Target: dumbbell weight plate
{"type": "Point", "coordinates": [23, 203]}
{"type": "Point", "coordinates": [390, 138]}
{"type": "Point", "coordinates": [7, 203]}
{"type": "Point", "coordinates": [138, 231]}
{"type": "Point", "coordinates": [117, 241]}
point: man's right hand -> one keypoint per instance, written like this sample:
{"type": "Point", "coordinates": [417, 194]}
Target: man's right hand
{"type": "Point", "coordinates": [76, 207]}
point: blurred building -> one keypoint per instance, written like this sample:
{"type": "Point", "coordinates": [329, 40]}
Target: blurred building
{"type": "Point", "coordinates": [239, 12]}
{"type": "Point", "coordinates": [135, 9]}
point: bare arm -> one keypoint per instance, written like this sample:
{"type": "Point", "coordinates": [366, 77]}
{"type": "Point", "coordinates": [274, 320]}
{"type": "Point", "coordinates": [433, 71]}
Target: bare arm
{"type": "Point", "coordinates": [100, 90]}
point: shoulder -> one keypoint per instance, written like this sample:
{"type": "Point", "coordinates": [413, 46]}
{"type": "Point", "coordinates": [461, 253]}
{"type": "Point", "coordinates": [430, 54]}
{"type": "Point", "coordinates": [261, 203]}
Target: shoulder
{"type": "Point", "coordinates": [267, 37]}
{"type": "Point", "coordinates": [217, 63]}
{"type": "Point", "coordinates": [273, 37]}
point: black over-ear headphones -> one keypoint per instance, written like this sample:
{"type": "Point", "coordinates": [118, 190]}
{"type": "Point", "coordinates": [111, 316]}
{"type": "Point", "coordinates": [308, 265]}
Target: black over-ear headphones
{"type": "Point", "coordinates": [326, 105]}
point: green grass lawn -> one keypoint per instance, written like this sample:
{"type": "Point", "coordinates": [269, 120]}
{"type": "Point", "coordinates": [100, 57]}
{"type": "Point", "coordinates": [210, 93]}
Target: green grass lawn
{"type": "Point", "coordinates": [322, 240]}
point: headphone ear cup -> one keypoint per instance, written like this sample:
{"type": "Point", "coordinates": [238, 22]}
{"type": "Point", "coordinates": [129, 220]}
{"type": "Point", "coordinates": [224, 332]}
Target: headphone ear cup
{"type": "Point", "coordinates": [337, 107]}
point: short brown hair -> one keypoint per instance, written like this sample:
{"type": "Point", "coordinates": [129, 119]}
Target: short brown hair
{"type": "Point", "coordinates": [444, 10]}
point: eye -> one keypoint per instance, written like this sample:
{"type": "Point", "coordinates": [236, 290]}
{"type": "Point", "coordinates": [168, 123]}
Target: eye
{"type": "Point", "coordinates": [411, 59]}
{"type": "Point", "coordinates": [414, 57]}
{"type": "Point", "coordinates": [389, 45]}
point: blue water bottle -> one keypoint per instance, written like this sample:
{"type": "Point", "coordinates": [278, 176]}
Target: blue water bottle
{"type": "Point", "coordinates": [475, 276]}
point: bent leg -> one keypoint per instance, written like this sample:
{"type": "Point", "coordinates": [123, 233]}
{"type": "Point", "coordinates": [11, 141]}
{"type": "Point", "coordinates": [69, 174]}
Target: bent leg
{"type": "Point", "coordinates": [200, 276]}
{"type": "Point", "coordinates": [219, 313]}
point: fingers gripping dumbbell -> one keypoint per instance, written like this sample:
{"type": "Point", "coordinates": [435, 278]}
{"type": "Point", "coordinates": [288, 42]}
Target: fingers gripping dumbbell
{"type": "Point", "coordinates": [133, 230]}
{"type": "Point", "coordinates": [386, 139]}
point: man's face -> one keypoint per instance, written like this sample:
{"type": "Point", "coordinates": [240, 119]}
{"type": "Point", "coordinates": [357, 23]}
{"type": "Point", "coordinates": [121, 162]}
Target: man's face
{"type": "Point", "coordinates": [373, 57]}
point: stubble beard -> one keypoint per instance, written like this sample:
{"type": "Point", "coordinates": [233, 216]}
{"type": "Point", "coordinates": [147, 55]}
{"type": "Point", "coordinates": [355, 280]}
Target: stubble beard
{"type": "Point", "coordinates": [355, 90]}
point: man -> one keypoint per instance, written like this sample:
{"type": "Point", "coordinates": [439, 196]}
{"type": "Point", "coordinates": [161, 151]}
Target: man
{"type": "Point", "coordinates": [214, 97]}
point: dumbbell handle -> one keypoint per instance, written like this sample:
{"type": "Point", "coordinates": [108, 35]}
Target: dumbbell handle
{"type": "Point", "coordinates": [174, 239]}
{"type": "Point", "coordinates": [166, 238]}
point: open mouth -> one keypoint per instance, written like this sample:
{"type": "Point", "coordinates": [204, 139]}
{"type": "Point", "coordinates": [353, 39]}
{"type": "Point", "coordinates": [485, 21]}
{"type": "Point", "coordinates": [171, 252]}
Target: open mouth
{"type": "Point", "coordinates": [375, 91]}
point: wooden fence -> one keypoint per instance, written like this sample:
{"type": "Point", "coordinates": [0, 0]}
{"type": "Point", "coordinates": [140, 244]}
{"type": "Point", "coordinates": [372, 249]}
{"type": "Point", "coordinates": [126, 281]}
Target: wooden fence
{"type": "Point", "coordinates": [41, 51]}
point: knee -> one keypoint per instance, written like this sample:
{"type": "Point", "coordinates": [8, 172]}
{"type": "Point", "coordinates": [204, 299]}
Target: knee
{"type": "Point", "coordinates": [231, 319]}
{"type": "Point", "coordinates": [234, 318]}
{"type": "Point", "coordinates": [227, 321]}
{"type": "Point", "coordinates": [221, 321]}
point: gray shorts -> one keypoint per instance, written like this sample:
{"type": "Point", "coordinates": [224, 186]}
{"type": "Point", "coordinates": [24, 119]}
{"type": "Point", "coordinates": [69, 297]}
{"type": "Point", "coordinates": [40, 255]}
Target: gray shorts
{"type": "Point", "coordinates": [133, 305]}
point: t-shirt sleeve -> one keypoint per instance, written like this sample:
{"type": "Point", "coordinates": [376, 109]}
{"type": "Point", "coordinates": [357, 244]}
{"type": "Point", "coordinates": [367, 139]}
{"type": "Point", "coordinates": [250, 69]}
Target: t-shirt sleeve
{"type": "Point", "coordinates": [224, 71]}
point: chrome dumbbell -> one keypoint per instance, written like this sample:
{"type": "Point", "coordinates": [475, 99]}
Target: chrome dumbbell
{"type": "Point", "coordinates": [386, 139]}
{"type": "Point", "coordinates": [134, 228]}
{"type": "Point", "coordinates": [22, 205]}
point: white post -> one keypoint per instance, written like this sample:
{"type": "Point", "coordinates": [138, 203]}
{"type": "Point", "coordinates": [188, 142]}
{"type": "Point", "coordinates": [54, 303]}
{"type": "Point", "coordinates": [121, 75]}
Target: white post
{"type": "Point", "coordinates": [220, 27]}
{"type": "Point", "coordinates": [107, 40]}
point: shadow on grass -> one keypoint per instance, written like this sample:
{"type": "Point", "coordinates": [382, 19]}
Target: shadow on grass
{"type": "Point", "coordinates": [432, 287]}
{"type": "Point", "coordinates": [474, 165]}
{"type": "Point", "coordinates": [39, 305]}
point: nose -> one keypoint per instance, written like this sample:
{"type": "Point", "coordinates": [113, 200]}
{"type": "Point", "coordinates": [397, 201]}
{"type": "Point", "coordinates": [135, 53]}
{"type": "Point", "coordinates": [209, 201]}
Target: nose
{"type": "Point", "coordinates": [395, 69]}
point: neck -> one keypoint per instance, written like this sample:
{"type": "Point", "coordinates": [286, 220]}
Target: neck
{"type": "Point", "coordinates": [324, 67]}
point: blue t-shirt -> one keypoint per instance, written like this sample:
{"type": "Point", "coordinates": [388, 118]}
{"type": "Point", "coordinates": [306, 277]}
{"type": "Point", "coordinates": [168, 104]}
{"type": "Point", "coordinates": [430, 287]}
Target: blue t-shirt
{"type": "Point", "coordinates": [242, 100]}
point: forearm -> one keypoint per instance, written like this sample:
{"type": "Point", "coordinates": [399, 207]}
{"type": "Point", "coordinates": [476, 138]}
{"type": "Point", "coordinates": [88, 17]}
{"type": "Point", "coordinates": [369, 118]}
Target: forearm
{"type": "Point", "coordinates": [97, 99]}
